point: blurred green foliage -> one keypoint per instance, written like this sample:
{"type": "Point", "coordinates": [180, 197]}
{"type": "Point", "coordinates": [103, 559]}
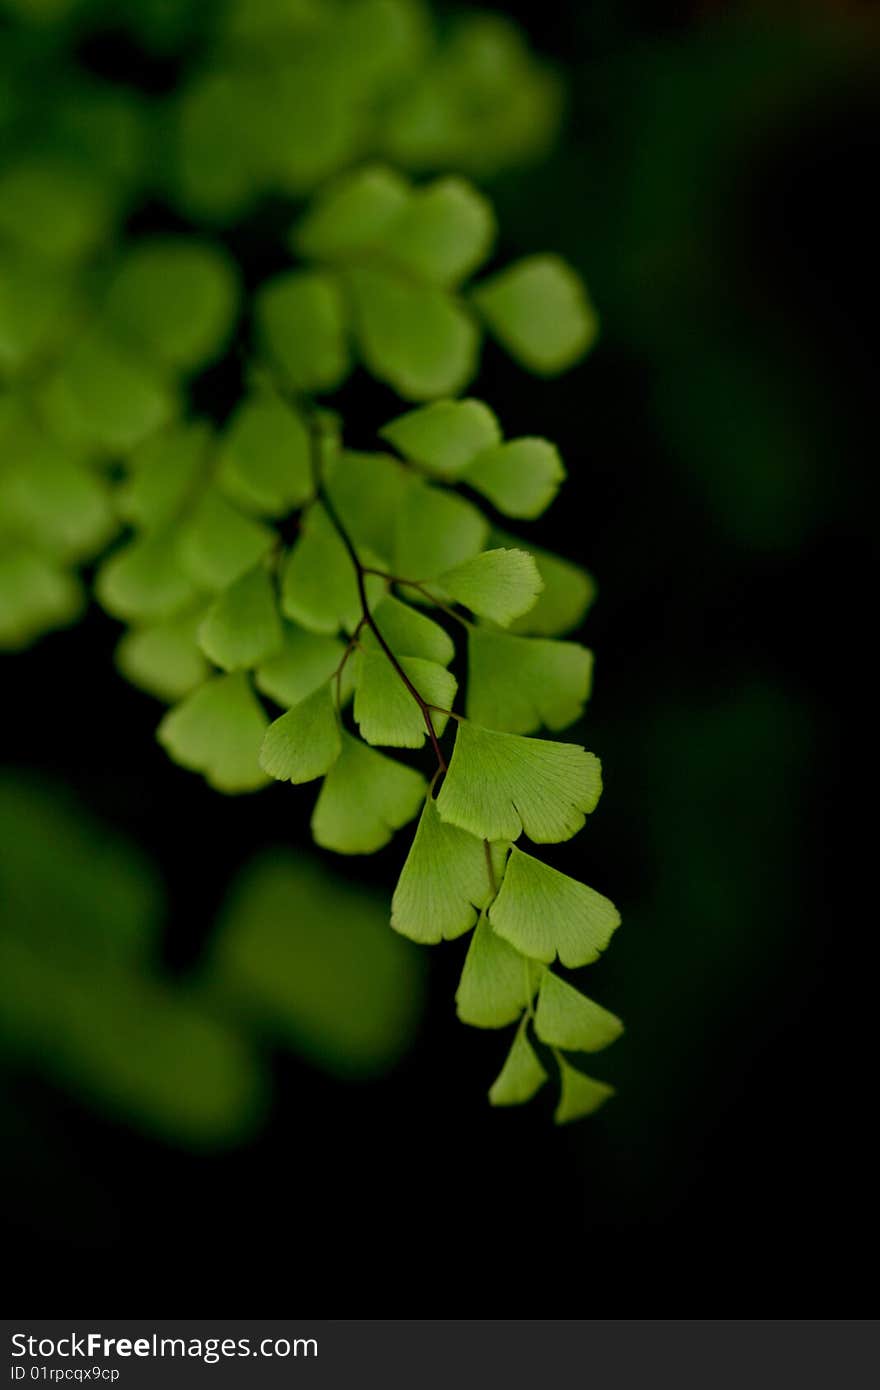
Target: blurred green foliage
{"type": "Point", "coordinates": [303, 961]}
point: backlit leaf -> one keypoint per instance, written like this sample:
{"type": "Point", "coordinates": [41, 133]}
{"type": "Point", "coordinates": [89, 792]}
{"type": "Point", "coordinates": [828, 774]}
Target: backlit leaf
{"type": "Point", "coordinates": [367, 491]}
{"type": "Point", "coordinates": [521, 684]}
{"type": "Point", "coordinates": [522, 1075]}
{"type": "Point", "coordinates": [581, 1095]}
{"type": "Point", "coordinates": [164, 473]}
{"type": "Point", "coordinates": [306, 660]}
{"type": "Point", "coordinates": [352, 214]}
{"type": "Point", "coordinates": [165, 658]}
{"type": "Point", "coordinates": [520, 478]}
{"type": "Point", "coordinates": [543, 912]}
{"type": "Point", "coordinates": [501, 785]}
{"type": "Point", "coordinates": [498, 584]}
{"type": "Point", "coordinates": [417, 338]}
{"type": "Point", "coordinates": [106, 396]}
{"type": "Point", "coordinates": [434, 531]}
{"type": "Point", "coordinates": [242, 626]}
{"type": "Point", "coordinates": [385, 710]}
{"type": "Point", "coordinates": [442, 233]}
{"type": "Point", "coordinates": [408, 632]}
{"type": "Point", "coordinates": [444, 437]}
{"type": "Point", "coordinates": [36, 595]}
{"type": "Point", "coordinates": [539, 309]}
{"type": "Point", "coordinates": [496, 983]}
{"type": "Point", "coordinates": [146, 579]}
{"type": "Point", "coordinates": [319, 586]}
{"type": "Point", "coordinates": [265, 457]}
{"type": "Point", "coordinates": [218, 544]}
{"type": "Point", "coordinates": [444, 882]}
{"type": "Point", "coordinates": [177, 297]}
{"type": "Point", "coordinates": [218, 730]}
{"type": "Point", "coordinates": [301, 320]}
{"type": "Point", "coordinates": [566, 1018]}
{"type": "Point", "coordinates": [567, 593]}
{"type": "Point", "coordinates": [364, 799]}
{"type": "Point", "coordinates": [305, 742]}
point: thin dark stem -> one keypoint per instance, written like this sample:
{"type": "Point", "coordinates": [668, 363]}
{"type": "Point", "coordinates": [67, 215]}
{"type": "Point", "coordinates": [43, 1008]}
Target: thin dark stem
{"type": "Point", "coordinates": [362, 594]}
{"type": "Point", "coordinates": [491, 868]}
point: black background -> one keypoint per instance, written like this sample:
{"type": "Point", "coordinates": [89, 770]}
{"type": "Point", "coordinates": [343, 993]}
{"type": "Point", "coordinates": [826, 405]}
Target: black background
{"type": "Point", "coordinates": [733, 1175]}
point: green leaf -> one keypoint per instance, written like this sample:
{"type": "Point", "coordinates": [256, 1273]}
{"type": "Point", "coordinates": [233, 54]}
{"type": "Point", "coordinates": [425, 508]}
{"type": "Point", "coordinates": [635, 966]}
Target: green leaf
{"type": "Point", "coordinates": [496, 984]}
{"type": "Point", "coordinates": [36, 595]}
{"type": "Point", "coordinates": [48, 493]}
{"type": "Point", "coordinates": [444, 437]}
{"type": "Point", "coordinates": [417, 338]}
{"type": "Point", "coordinates": [39, 304]}
{"type": "Point", "coordinates": [164, 473]}
{"type": "Point", "coordinates": [304, 955]}
{"type": "Point", "coordinates": [444, 882]}
{"type": "Point", "coordinates": [566, 1018]}
{"type": "Point", "coordinates": [434, 531]}
{"type": "Point", "coordinates": [543, 912]}
{"type": "Point", "coordinates": [242, 626]}
{"type": "Point", "coordinates": [384, 709]}
{"type": "Point", "coordinates": [165, 658]}
{"type": "Point", "coordinates": [367, 491]}
{"type": "Point", "coordinates": [177, 297]}
{"type": "Point", "coordinates": [218, 544]}
{"type": "Point", "coordinates": [498, 584]}
{"type": "Point", "coordinates": [521, 684]}
{"type": "Point", "coordinates": [351, 215]}
{"type": "Point", "coordinates": [319, 586]}
{"type": "Point", "coordinates": [217, 730]}
{"type": "Point", "coordinates": [301, 321]}
{"type": "Point", "coordinates": [539, 309]}
{"type": "Point", "coordinates": [521, 1077]}
{"type": "Point", "coordinates": [581, 1095]}
{"type": "Point", "coordinates": [520, 478]}
{"type": "Point", "coordinates": [306, 661]}
{"type": "Point", "coordinates": [408, 632]}
{"type": "Point", "coordinates": [364, 799]}
{"type": "Point", "coordinates": [442, 233]}
{"type": "Point", "coordinates": [265, 457]}
{"type": "Point", "coordinates": [146, 579]}
{"type": "Point", "coordinates": [106, 396]}
{"type": "Point", "coordinates": [501, 785]}
{"type": "Point", "coordinates": [567, 594]}
{"type": "Point", "coordinates": [305, 742]}
{"type": "Point", "coordinates": [53, 208]}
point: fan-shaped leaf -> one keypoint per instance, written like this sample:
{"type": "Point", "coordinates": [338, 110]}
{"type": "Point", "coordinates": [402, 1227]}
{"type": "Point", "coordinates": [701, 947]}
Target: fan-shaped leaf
{"type": "Point", "coordinates": [566, 1018]}
{"type": "Point", "coordinates": [408, 633]}
{"type": "Point", "coordinates": [352, 215]}
{"type": "Point", "coordinates": [543, 912]}
{"type": "Point", "coordinates": [364, 799]}
{"type": "Point", "coordinates": [165, 658]}
{"type": "Point", "coordinates": [521, 684]}
{"type": "Point", "coordinates": [164, 472]}
{"type": "Point", "coordinates": [146, 579]}
{"type": "Point", "coordinates": [217, 730]}
{"type": "Point", "coordinates": [417, 338]}
{"type": "Point", "coordinates": [496, 983]}
{"type": "Point", "coordinates": [520, 478]}
{"type": "Point", "coordinates": [385, 710]}
{"type": "Point", "coordinates": [521, 1077]}
{"type": "Point", "coordinates": [177, 298]}
{"type": "Point", "coordinates": [442, 233]}
{"type": "Point", "coordinates": [498, 584]}
{"type": "Point", "coordinates": [305, 742]}
{"type": "Point", "coordinates": [367, 490]}
{"type": "Point", "coordinates": [567, 594]}
{"type": "Point", "coordinates": [306, 660]}
{"type": "Point", "coordinates": [242, 626]}
{"type": "Point", "coordinates": [48, 493]}
{"type": "Point", "coordinates": [500, 785]}
{"type": "Point", "coordinates": [218, 544]}
{"type": "Point", "coordinates": [36, 595]}
{"type": "Point", "coordinates": [301, 319]}
{"type": "Point", "coordinates": [538, 308]}
{"type": "Point", "coordinates": [434, 531]}
{"type": "Point", "coordinates": [445, 881]}
{"type": "Point", "coordinates": [106, 396]}
{"type": "Point", "coordinates": [319, 586]}
{"type": "Point", "coordinates": [446, 436]}
{"type": "Point", "coordinates": [265, 457]}
{"type": "Point", "coordinates": [581, 1095]}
